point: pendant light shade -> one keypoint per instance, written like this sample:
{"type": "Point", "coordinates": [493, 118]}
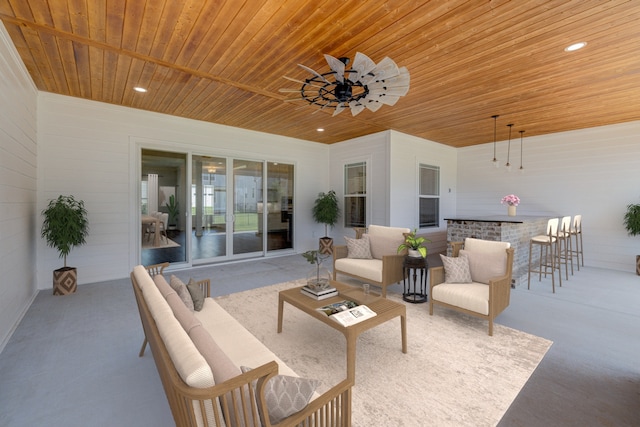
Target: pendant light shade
{"type": "Point", "coordinates": [508, 165]}
{"type": "Point", "coordinates": [521, 135]}
{"type": "Point", "coordinates": [495, 161]}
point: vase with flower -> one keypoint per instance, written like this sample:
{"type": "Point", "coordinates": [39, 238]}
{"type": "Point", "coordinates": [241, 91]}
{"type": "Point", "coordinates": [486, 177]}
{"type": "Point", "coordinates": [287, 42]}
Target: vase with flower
{"type": "Point", "coordinates": [511, 201]}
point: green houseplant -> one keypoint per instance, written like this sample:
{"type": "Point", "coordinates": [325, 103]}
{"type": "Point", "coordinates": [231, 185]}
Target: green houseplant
{"type": "Point", "coordinates": [65, 226]}
{"type": "Point", "coordinates": [326, 210]}
{"type": "Point", "coordinates": [414, 245]}
{"type": "Point", "coordinates": [632, 225]}
{"type": "Point", "coordinates": [319, 277]}
{"type": "Point", "coordinates": [172, 207]}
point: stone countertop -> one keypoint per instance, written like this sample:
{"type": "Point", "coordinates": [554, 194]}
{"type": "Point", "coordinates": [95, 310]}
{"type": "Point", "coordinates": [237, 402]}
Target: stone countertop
{"type": "Point", "coordinates": [519, 219]}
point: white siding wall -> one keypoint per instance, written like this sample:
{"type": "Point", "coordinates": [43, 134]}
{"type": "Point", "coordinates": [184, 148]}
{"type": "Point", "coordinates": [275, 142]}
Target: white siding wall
{"type": "Point", "coordinates": [373, 149]}
{"type": "Point", "coordinates": [407, 153]}
{"type": "Point", "coordinates": [18, 166]}
{"type": "Point", "coordinates": [594, 172]}
{"type": "Point", "coordinates": [88, 149]}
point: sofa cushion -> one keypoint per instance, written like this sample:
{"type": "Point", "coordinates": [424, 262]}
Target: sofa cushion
{"type": "Point", "coordinates": [385, 240]}
{"type": "Point", "coordinates": [182, 291]}
{"type": "Point", "coordinates": [485, 266]}
{"type": "Point", "coordinates": [285, 395]}
{"type": "Point", "coordinates": [163, 285]}
{"type": "Point", "coordinates": [240, 345]}
{"type": "Point", "coordinates": [358, 248]}
{"type": "Point", "coordinates": [471, 296]}
{"type": "Point", "coordinates": [196, 294]}
{"type": "Point", "coordinates": [182, 313]}
{"type": "Point", "coordinates": [370, 269]}
{"type": "Point", "coordinates": [456, 269]}
{"type": "Point", "coordinates": [142, 276]}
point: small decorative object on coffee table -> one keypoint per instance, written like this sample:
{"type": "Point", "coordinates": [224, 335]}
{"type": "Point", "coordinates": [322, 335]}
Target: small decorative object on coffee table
{"type": "Point", "coordinates": [410, 268]}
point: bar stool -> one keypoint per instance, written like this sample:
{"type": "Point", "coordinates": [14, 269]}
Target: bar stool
{"type": "Point", "coordinates": [548, 244]}
{"type": "Point", "coordinates": [565, 251]}
{"type": "Point", "coordinates": [576, 232]}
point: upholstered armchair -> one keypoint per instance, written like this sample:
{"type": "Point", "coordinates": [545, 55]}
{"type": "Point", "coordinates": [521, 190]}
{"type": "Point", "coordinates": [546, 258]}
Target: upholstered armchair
{"type": "Point", "coordinates": [476, 280]}
{"type": "Point", "coordinates": [372, 257]}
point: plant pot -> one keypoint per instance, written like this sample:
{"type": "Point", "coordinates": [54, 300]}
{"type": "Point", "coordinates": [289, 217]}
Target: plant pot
{"type": "Point", "coordinates": [318, 279]}
{"type": "Point", "coordinates": [326, 246]}
{"type": "Point", "coordinates": [511, 210]}
{"type": "Point", "coordinates": [414, 253]}
{"type": "Point", "coordinates": [65, 281]}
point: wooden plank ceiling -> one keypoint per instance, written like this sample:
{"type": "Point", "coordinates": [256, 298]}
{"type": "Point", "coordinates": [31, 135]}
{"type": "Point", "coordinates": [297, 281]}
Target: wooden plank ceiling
{"type": "Point", "coordinates": [223, 61]}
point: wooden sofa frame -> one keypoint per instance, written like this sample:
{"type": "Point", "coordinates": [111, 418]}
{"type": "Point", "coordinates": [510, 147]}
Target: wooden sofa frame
{"type": "Point", "coordinates": [499, 289]}
{"type": "Point", "coordinates": [331, 409]}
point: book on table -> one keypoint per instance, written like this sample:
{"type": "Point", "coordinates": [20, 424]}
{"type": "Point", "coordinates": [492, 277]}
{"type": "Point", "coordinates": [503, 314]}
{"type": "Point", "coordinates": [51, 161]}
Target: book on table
{"type": "Point", "coordinates": [319, 294]}
{"type": "Point", "coordinates": [347, 312]}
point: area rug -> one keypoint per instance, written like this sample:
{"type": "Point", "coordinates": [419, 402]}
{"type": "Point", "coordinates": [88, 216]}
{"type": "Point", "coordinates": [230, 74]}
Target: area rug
{"type": "Point", "coordinates": [454, 374]}
{"type": "Point", "coordinates": [148, 244]}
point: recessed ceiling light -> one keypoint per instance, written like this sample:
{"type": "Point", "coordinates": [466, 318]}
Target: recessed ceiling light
{"type": "Point", "coordinates": [575, 46]}
{"type": "Point", "coordinates": [320, 129]}
{"type": "Point", "coordinates": [139, 89]}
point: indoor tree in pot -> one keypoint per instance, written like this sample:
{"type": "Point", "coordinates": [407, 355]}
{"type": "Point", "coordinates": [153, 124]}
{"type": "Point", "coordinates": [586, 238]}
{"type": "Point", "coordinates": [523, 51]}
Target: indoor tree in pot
{"type": "Point", "coordinates": [632, 225]}
{"type": "Point", "coordinates": [326, 210]}
{"type": "Point", "coordinates": [65, 226]}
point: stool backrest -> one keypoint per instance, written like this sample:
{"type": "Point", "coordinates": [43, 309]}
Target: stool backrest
{"type": "Point", "coordinates": [566, 224]}
{"type": "Point", "coordinates": [552, 226]}
{"type": "Point", "coordinates": [577, 224]}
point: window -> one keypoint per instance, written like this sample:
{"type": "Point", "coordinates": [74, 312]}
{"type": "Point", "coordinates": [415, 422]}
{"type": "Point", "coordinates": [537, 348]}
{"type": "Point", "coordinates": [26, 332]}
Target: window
{"type": "Point", "coordinates": [429, 196]}
{"type": "Point", "coordinates": [355, 194]}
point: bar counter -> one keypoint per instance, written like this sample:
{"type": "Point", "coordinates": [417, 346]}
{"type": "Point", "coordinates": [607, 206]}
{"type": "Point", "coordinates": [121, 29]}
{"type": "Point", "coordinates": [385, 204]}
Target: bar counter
{"type": "Point", "coordinates": [516, 230]}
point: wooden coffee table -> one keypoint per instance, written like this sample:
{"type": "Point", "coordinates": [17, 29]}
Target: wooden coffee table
{"type": "Point", "coordinates": [384, 308]}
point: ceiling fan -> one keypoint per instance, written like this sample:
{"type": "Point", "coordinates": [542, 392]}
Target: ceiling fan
{"type": "Point", "coordinates": [364, 85]}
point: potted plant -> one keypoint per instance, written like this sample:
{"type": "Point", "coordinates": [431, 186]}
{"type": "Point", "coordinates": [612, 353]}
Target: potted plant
{"type": "Point", "coordinates": [414, 245]}
{"type": "Point", "coordinates": [172, 207]}
{"type": "Point", "coordinates": [65, 226]}
{"type": "Point", "coordinates": [632, 225]}
{"type": "Point", "coordinates": [319, 277]}
{"type": "Point", "coordinates": [326, 210]}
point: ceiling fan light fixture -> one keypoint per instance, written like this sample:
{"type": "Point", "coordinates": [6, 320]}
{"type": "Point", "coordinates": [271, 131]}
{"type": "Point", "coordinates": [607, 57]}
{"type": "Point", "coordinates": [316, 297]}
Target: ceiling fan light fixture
{"type": "Point", "coordinates": [364, 85]}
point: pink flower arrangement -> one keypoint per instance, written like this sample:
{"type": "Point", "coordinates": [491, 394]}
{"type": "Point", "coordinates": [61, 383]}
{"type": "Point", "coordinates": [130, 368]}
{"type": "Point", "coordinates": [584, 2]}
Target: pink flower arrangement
{"type": "Point", "coordinates": [511, 200]}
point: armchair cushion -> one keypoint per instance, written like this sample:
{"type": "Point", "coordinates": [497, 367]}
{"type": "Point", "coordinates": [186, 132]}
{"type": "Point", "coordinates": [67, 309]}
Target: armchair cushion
{"type": "Point", "coordinates": [358, 248]}
{"type": "Point", "coordinates": [370, 269]}
{"type": "Point", "coordinates": [456, 269]}
{"type": "Point", "coordinates": [385, 240]}
{"type": "Point", "coordinates": [485, 266]}
{"type": "Point", "coordinates": [470, 296]}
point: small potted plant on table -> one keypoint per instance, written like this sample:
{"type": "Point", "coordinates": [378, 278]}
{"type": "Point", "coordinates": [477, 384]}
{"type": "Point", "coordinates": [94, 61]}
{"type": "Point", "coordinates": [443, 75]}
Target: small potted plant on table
{"type": "Point", "coordinates": [414, 245]}
{"type": "Point", "coordinates": [319, 277]}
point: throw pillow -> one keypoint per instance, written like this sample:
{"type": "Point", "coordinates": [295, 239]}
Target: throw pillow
{"type": "Point", "coordinates": [182, 291]}
{"type": "Point", "coordinates": [358, 248]}
{"type": "Point", "coordinates": [485, 266]}
{"type": "Point", "coordinates": [196, 294]}
{"type": "Point", "coordinates": [456, 270]}
{"type": "Point", "coordinates": [286, 395]}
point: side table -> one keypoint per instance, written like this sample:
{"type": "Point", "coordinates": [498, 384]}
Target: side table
{"type": "Point", "coordinates": [415, 291]}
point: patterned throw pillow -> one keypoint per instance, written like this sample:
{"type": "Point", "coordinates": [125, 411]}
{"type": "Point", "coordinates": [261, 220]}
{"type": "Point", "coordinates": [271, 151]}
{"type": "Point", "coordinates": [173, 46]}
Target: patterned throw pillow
{"type": "Point", "coordinates": [358, 248]}
{"type": "Point", "coordinates": [182, 291]}
{"type": "Point", "coordinates": [286, 395]}
{"type": "Point", "coordinates": [196, 294]}
{"type": "Point", "coordinates": [456, 270]}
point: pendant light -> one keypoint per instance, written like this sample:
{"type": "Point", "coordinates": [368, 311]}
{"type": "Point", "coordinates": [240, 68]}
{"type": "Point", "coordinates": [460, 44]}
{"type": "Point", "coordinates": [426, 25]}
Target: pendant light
{"type": "Point", "coordinates": [495, 161]}
{"type": "Point", "coordinates": [508, 165]}
{"type": "Point", "coordinates": [521, 167]}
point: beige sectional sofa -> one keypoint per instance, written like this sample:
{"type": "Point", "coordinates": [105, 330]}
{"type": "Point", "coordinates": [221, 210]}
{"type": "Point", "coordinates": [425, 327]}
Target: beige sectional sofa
{"type": "Point", "coordinates": [199, 356]}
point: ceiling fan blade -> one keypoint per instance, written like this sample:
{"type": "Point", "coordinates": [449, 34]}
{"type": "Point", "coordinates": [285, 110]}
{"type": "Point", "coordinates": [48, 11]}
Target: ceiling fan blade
{"type": "Point", "coordinates": [337, 66]}
{"type": "Point", "coordinates": [283, 90]}
{"type": "Point", "coordinates": [356, 108]}
{"type": "Point", "coordinates": [302, 82]}
{"type": "Point", "coordinates": [384, 70]}
{"type": "Point", "coordinates": [339, 108]}
{"type": "Point", "coordinates": [315, 73]}
{"type": "Point", "coordinates": [373, 105]}
{"type": "Point", "coordinates": [363, 65]}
